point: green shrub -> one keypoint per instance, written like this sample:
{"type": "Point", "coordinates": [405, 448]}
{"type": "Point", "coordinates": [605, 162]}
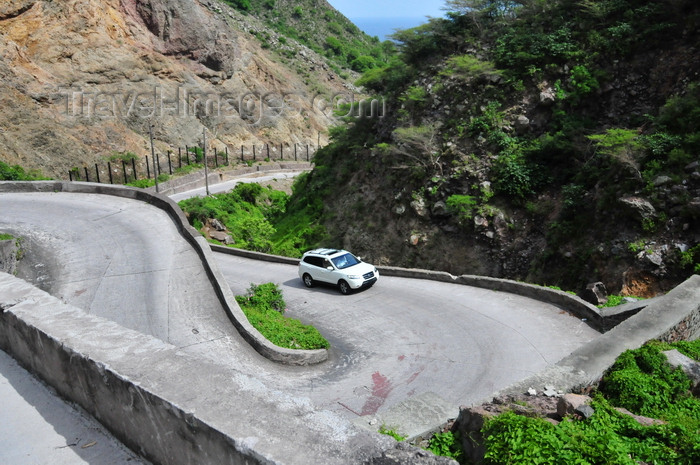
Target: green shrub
{"type": "Point", "coordinates": [446, 444]}
{"type": "Point", "coordinates": [513, 176]}
{"type": "Point", "coordinates": [462, 206]}
{"type": "Point", "coordinates": [264, 306]}
{"type": "Point", "coordinates": [640, 381]}
{"type": "Point", "coordinates": [467, 67]}
{"type": "Point", "coordinates": [643, 382]}
{"type": "Point", "coordinates": [17, 173]}
{"type": "Point", "coordinates": [243, 5]}
{"type": "Point", "coordinates": [198, 153]}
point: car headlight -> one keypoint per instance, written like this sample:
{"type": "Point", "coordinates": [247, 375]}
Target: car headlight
{"type": "Point", "coordinates": [354, 276]}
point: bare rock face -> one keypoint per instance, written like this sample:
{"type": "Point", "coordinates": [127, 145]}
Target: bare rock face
{"type": "Point", "coordinates": [183, 28]}
{"type": "Point", "coordinates": [83, 79]}
{"type": "Point", "coordinates": [11, 8]}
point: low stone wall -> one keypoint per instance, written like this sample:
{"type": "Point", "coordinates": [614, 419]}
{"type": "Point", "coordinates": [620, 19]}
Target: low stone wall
{"type": "Point", "coordinates": [223, 291]}
{"type": "Point", "coordinates": [168, 406]}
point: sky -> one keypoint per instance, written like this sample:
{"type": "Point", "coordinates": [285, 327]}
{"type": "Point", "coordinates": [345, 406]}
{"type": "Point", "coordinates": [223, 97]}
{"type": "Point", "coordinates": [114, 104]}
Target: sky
{"type": "Point", "coordinates": [389, 8]}
{"type": "Point", "coordinates": [381, 17]}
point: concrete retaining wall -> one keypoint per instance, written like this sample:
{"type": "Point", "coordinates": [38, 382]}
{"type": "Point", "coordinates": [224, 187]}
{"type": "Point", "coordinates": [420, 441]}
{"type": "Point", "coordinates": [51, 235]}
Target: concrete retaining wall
{"type": "Point", "coordinates": [170, 407]}
{"type": "Point", "coordinates": [673, 317]}
{"type": "Point", "coordinates": [223, 291]}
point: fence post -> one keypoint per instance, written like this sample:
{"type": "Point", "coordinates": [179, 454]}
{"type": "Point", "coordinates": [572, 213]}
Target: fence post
{"type": "Point", "coordinates": [268, 151]}
{"type": "Point", "coordinates": [87, 175]}
{"type": "Point", "coordinates": [227, 164]}
{"type": "Point", "coordinates": [187, 154]}
{"type": "Point", "coordinates": [70, 175]}
{"type": "Point", "coordinates": [170, 164]}
{"type": "Point", "coordinates": [242, 159]}
{"type": "Point", "coordinates": [148, 169]}
{"type": "Point", "coordinates": [133, 165]}
{"type": "Point", "coordinates": [216, 158]}
{"type": "Point", "coordinates": [295, 151]}
{"type": "Point", "coordinates": [179, 157]}
{"type": "Point", "coordinates": [281, 150]}
{"type": "Point", "coordinates": [253, 152]}
{"type": "Point", "coordinates": [307, 152]}
{"type": "Point", "coordinates": [124, 172]}
{"type": "Point", "coordinates": [97, 172]}
{"type": "Point", "coordinates": [109, 168]}
{"type": "Point", "coordinates": [156, 166]}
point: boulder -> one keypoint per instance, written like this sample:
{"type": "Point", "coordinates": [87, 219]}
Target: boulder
{"type": "Point", "coordinates": [595, 293]}
{"type": "Point", "coordinates": [689, 366]}
{"type": "Point", "coordinates": [639, 206]}
{"type": "Point", "coordinates": [547, 97]}
{"type": "Point", "coordinates": [644, 421]}
{"type": "Point", "coordinates": [570, 404]}
{"type": "Point", "coordinates": [693, 207]}
{"type": "Point", "coordinates": [216, 224]}
{"type": "Point", "coordinates": [690, 167]}
{"type": "Point", "coordinates": [662, 180]}
{"type": "Point", "coordinates": [221, 237]}
{"type": "Point", "coordinates": [419, 207]}
{"type": "Point", "coordinates": [440, 209]}
{"type": "Point", "coordinates": [522, 124]}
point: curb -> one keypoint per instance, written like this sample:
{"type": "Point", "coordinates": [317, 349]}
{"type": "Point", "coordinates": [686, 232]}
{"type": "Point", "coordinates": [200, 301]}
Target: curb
{"type": "Point", "coordinates": [223, 292]}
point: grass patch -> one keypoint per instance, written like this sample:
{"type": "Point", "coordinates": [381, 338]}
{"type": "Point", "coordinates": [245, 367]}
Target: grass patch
{"type": "Point", "coordinates": [264, 307]}
{"type": "Point", "coordinates": [388, 431]}
{"type": "Point", "coordinates": [615, 300]}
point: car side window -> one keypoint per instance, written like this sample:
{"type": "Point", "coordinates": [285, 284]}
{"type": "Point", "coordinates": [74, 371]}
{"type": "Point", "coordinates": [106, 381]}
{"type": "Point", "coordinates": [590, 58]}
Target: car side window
{"type": "Point", "coordinates": [327, 263]}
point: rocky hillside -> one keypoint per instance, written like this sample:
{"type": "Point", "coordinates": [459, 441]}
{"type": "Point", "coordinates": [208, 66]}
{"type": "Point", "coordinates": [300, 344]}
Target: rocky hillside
{"type": "Point", "coordinates": [82, 80]}
{"type": "Point", "coordinates": [554, 142]}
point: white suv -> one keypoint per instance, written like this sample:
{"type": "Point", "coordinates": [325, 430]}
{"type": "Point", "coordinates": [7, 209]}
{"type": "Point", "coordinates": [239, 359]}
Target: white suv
{"type": "Point", "coordinates": [336, 267]}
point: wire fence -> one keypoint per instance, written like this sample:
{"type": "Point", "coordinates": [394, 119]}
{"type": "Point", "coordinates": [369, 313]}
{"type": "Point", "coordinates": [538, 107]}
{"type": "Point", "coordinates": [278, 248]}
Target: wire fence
{"type": "Point", "coordinates": [128, 168]}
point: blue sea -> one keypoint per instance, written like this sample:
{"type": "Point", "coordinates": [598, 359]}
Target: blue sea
{"type": "Point", "coordinates": [384, 27]}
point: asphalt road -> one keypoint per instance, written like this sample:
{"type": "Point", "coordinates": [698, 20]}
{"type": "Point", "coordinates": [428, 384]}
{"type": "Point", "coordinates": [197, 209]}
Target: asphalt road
{"type": "Point", "coordinates": [123, 260]}
{"type": "Point", "coordinates": [404, 337]}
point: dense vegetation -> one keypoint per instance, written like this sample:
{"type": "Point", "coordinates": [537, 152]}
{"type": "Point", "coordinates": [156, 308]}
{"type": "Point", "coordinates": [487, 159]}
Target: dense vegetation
{"type": "Point", "coordinates": [640, 381]}
{"type": "Point", "coordinates": [534, 119]}
{"type": "Point", "coordinates": [264, 307]}
{"type": "Point", "coordinates": [256, 217]}
{"type": "Point", "coordinates": [18, 173]}
{"type": "Point", "coordinates": [321, 28]}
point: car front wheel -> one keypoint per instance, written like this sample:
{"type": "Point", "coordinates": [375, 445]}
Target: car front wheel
{"type": "Point", "coordinates": [344, 288]}
{"type": "Point", "coordinates": [308, 280]}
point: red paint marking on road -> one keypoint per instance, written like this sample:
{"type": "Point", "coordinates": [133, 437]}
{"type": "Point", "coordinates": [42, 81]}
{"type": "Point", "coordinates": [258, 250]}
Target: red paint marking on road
{"type": "Point", "coordinates": [414, 376]}
{"type": "Point", "coordinates": [381, 388]}
{"type": "Point", "coordinates": [401, 358]}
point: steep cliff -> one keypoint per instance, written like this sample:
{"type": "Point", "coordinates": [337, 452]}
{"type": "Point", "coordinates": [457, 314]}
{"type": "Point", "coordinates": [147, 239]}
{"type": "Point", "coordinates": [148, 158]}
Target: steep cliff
{"type": "Point", "coordinates": [554, 142]}
{"type": "Point", "coordinates": [81, 80]}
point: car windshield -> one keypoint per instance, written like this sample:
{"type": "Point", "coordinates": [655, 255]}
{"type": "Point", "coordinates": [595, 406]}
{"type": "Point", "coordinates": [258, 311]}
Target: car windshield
{"type": "Point", "coordinates": [345, 261]}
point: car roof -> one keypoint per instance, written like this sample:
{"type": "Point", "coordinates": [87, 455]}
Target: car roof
{"type": "Point", "coordinates": [325, 251]}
